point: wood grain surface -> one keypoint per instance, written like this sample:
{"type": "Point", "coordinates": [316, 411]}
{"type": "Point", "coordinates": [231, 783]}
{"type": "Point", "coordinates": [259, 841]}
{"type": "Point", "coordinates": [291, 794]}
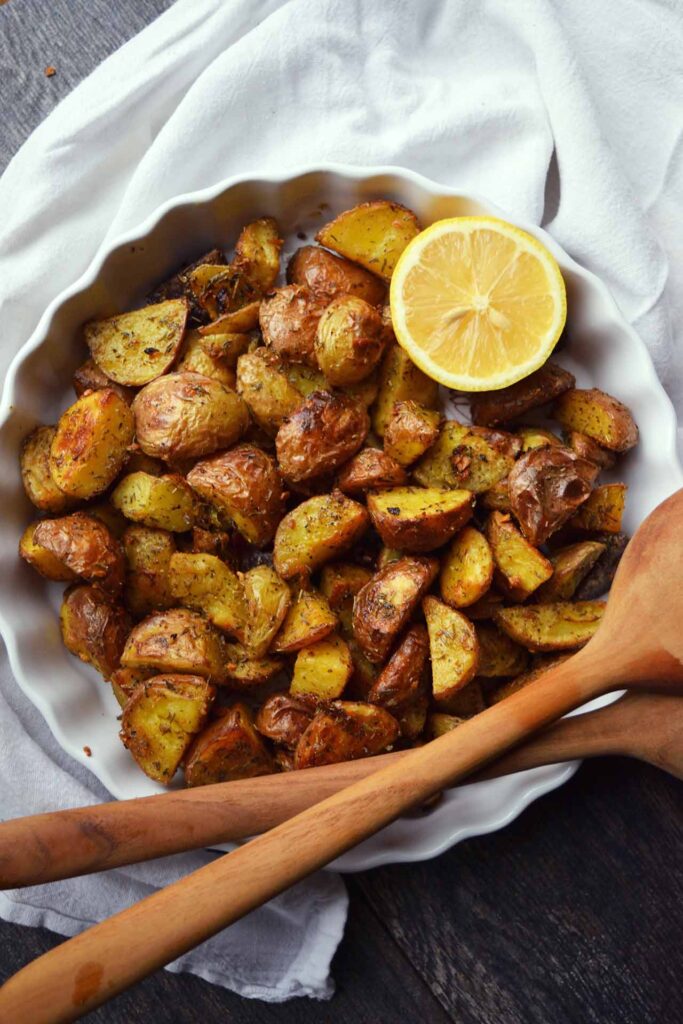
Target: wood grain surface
{"type": "Point", "coordinates": [571, 915]}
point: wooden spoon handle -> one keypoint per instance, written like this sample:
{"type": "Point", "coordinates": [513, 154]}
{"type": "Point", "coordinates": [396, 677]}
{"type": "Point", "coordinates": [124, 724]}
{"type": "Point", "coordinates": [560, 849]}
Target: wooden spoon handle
{"type": "Point", "coordinates": [87, 970]}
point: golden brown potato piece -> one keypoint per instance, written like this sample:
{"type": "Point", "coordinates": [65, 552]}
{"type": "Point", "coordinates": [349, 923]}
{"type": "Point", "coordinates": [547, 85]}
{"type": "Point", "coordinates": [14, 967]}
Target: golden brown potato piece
{"type": "Point", "coordinates": [94, 627]}
{"type": "Point", "coordinates": [386, 556]}
{"type": "Point", "coordinates": [349, 340]}
{"type": "Point", "coordinates": [520, 567]}
{"type": "Point", "coordinates": [466, 702]}
{"type": "Point", "coordinates": [439, 723]}
{"type": "Point", "coordinates": [317, 531]}
{"type": "Point", "coordinates": [322, 669]}
{"type": "Point", "coordinates": [160, 720]}
{"type": "Point", "coordinates": [148, 559]}
{"type": "Point", "coordinates": [206, 584]}
{"type": "Point", "coordinates": [164, 502]}
{"type": "Point", "coordinates": [370, 470]}
{"type": "Point", "coordinates": [464, 457]}
{"type": "Point", "coordinates": [373, 234]}
{"type": "Point", "coordinates": [124, 680]}
{"type": "Point", "coordinates": [267, 602]}
{"type": "Point", "coordinates": [599, 416]}
{"type": "Point", "coordinates": [134, 348]}
{"type": "Point", "coordinates": [197, 356]}
{"type": "Point", "coordinates": [257, 253]}
{"type": "Point", "coordinates": [546, 486]}
{"type": "Point", "coordinates": [284, 719]}
{"type": "Point", "coordinates": [308, 620]}
{"type": "Point", "coordinates": [383, 607]}
{"type": "Point", "coordinates": [90, 444]}
{"type": "Point", "coordinates": [237, 321]}
{"type": "Point", "coordinates": [176, 640]}
{"type": "Point", "coordinates": [245, 488]}
{"type": "Point", "coordinates": [498, 654]}
{"type": "Point", "coordinates": [187, 415]}
{"type": "Point", "coordinates": [228, 748]}
{"type": "Point", "coordinates": [89, 377]}
{"type": "Point", "coordinates": [289, 320]}
{"type": "Point", "coordinates": [244, 672]}
{"type": "Point", "coordinates": [36, 477]}
{"type": "Point", "coordinates": [489, 408]}
{"type": "Point", "coordinates": [410, 431]}
{"type": "Point", "coordinates": [503, 690]}
{"type": "Point", "coordinates": [497, 497]}
{"type": "Point", "coordinates": [600, 577]}
{"type": "Point", "coordinates": [537, 437]}
{"type": "Point", "coordinates": [177, 287]}
{"type": "Point", "coordinates": [404, 677]}
{"type": "Point", "coordinates": [419, 518]}
{"type": "Point", "coordinates": [343, 731]}
{"type": "Point", "coordinates": [466, 569]}
{"type": "Point", "coordinates": [42, 560]}
{"type": "Point", "coordinates": [453, 646]}
{"type": "Point", "coordinates": [570, 565]}
{"type": "Point", "coordinates": [211, 542]}
{"type": "Point", "coordinates": [586, 448]}
{"type": "Point", "coordinates": [341, 581]}
{"type": "Point", "coordinates": [412, 719]}
{"type": "Point", "coordinates": [321, 435]}
{"type": "Point", "coordinates": [400, 379]}
{"type": "Point", "coordinates": [110, 516]}
{"type": "Point", "coordinates": [486, 606]}
{"type": "Point", "coordinates": [225, 348]}
{"type": "Point", "coordinates": [602, 511]}
{"type": "Point", "coordinates": [85, 546]}
{"type": "Point", "coordinates": [559, 626]}
{"type": "Point", "coordinates": [219, 290]}
{"type": "Point", "coordinates": [328, 275]}
{"type": "Point", "coordinates": [265, 388]}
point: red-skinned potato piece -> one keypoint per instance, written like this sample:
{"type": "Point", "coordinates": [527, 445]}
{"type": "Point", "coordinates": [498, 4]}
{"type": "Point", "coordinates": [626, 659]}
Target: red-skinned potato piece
{"type": "Point", "coordinates": [403, 679]}
{"type": "Point", "coordinates": [328, 275]}
{"type": "Point", "coordinates": [546, 486]}
{"type": "Point", "coordinates": [383, 607]}
{"type": "Point", "coordinates": [325, 431]}
{"type": "Point", "coordinates": [85, 546]}
{"type": "Point", "coordinates": [289, 320]}
{"type": "Point", "coordinates": [94, 627]}
{"type": "Point", "coordinates": [228, 749]}
{"type": "Point", "coordinates": [370, 470]}
{"type": "Point", "coordinates": [284, 718]}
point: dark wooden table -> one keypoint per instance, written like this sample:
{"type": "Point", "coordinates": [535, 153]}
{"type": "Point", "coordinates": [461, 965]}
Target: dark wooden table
{"type": "Point", "coordinates": [571, 915]}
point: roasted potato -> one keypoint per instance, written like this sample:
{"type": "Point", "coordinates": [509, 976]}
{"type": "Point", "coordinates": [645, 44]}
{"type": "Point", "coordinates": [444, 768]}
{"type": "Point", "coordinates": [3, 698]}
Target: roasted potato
{"type": "Point", "coordinates": [387, 556]}
{"type": "Point", "coordinates": [322, 669]}
{"type": "Point", "coordinates": [546, 487]}
{"type": "Point", "coordinates": [586, 448]}
{"type": "Point", "coordinates": [85, 546]}
{"type": "Point", "coordinates": [196, 357]}
{"type": "Point", "coordinates": [89, 377]}
{"type": "Point", "coordinates": [321, 435]}
{"type": "Point", "coordinates": [36, 477]}
{"type": "Point", "coordinates": [90, 445]}
{"type": "Point", "coordinates": [400, 379]}
{"type": "Point", "coordinates": [289, 320]}
{"type": "Point", "coordinates": [329, 276]}
{"type": "Point", "coordinates": [453, 646]}
{"type": "Point", "coordinates": [559, 626]}
{"type": "Point", "coordinates": [520, 567]}
{"type": "Point", "coordinates": [160, 720]}
{"type": "Point", "coordinates": [176, 286]}
{"type": "Point", "coordinates": [538, 437]}
{"type": "Point", "coordinates": [345, 731]}
{"type": "Point", "coordinates": [466, 702]}
{"type": "Point", "coordinates": [177, 640]}
{"type": "Point", "coordinates": [124, 680]}
{"type": "Point", "coordinates": [439, 723]}
{"type": "Point", "coordinates": [541, 665]}
{"type": "Point", "coordinates": [228, 748]}
{"type": "Point", "coordinates": [268, 599]}
{"type": "Point", "coordinates": [382, 608]}
{"type": "Point", "coordinates": [600, 577]}
{"type": "Point", "coordinates": [419, 518]}
{"type": "Point", "coordinates": [163, 502]}
{"type": "Point", "coordinates": [41, 559]}
{"type": "Point", "coordinates": [497, 497]}
{"type": "Point", "coordinates": [570, 565]}
{"type": "Point", "coordinates": [224, 349]}
{"type": "Point", "coordinates": [210, 542]}
{"type": "Point", "coordinates": [148, 559]}
{"type": "Point", "coordinates": [308, 620]}
{"type": "Point", "coordinates": [115, 522]}
{"type": "Point", "coordinates": [317, 531]}
{"type": "Point", "coordinates": [498, 654]}
{"type": "Point", "coordinates": [349, 340]}
{"type": "Point", "coordinates": [412, 719]}
{"type": "Point", "coordinates": [94, 627]}
{"type": "Point", "coordinates": [135, 348]}
{"type": "Point", "coordinates": [373, 234]}
{"type": "Point", "coordinates": [599, 416]}
{"type": "Point", "coordinates": [244, 672]}
{"type": "Point", "coordinates": [403, 680]}
{"type": "Point", "coordinates": [245, 488]}
{"type": "Point", "coordinates": [284, 718]}
{"type": "Point", "coordinates": [465, 458]}
{"type": "Point", "coordinates": [602, 511]}
{"type": "Point", "coordinates": [410, 431]}
{"type": "Point", "coordinates": [236, 321]}
{"type": "Point", "coordinates": [489, 408]}
{"type": "Point", "coordinates": [220, 290]}
{"type": "Point", "coordinates": [206, 584]}
{"type": "Point", "coordinates": [370, 470]}
{"type": "Point", "coordinates": [485, 607]}
{"type": "Point", "coordinates": [257, 253]}
{"type": "Point", "coordinates": [466, 569]}
{"type": "Point", "coordinates": [269, 395]}
{"type": "Point", "coordinates": [341, 581]}
{"type": "Point", "coordinates": [187, 415]}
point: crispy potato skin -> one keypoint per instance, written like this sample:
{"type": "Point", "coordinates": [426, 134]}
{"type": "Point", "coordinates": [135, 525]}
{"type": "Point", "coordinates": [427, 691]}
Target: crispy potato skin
{"type": "Point", "coordinates": [42, 560]}
{"type": "Point", "coordinates": [288, 318]}
{"type": "Point", "coordinates": [134, 348]}
{"type": "Point", "coordinates": [94, 627]}
{"type": "Point", "coordinates": [325, 431]}
{"type": "Point", "coordinates": [228, 749]}
{"type": "Point", "coordinates": [371, 469]}
{"type": "Point", "coordinates": [266, 389]}
{"type": "Point", "coordinates": [598, 415]}
{"type": "Point", "coordinates": [546, 486]}
{"type": "Point", "coordinates": [329, 276]}
{"type": "Point", "coordinates": [403, 679]}
{"type": "Point", "coordinates": [562, 625]}
{"type": "Point", "coordinates": [91, 443]}
{"type": "Point", "coordinates": [344, 731]}
{"type": "Point", "coordinates": [89, 377]}
{"type": "Point", "coordinates": [164, 502]}
{"type": "Point", "coordinates": [245, 487]}
{"type": "Point", "coordinates": [317, 531]}
{"type": "Point", "coordinates": [410, 431]}
{"type": "Point", "coordinates": [36, 477]}
{"type": "Point", "coordinates": [489, 408]}
{"type": "Point", "coordinates": [221, 290]}
{"type": "Point", "coordinates": [453, 646]}
{"type": "Point", "coordinates": [177, 640]}
{"type": "Point", "coordinates": [382, 607]}
{"type": "Point", "coordinates": [284, 718]}
{"type": "Point", "coordinates": [349, 340]}
{"type": "Point", "coordinates": [419, 518]}
{"type": "Point", "coordinates": [257, 253]}
{"type": "Point", "coordinates": [187, 415]}
{"type": "Point", "coordinates": [586, 448]}
{"type": "Point", "coordinates": [373, 234]}
{"type": "Point", "coordinates": [600, 577]}
{"type": "Point", "coordinates": [340, 581]}
{"type": "Point", "coordinates": [176, 286]}
{"type": "Point", "coordinates": [86, 547]}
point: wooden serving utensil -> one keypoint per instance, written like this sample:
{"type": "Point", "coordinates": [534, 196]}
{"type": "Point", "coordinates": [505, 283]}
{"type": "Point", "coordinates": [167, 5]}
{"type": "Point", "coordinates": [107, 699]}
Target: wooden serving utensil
{"type": "Point", "coordinates": [639, 644]}
{"type": "Point", "coordinates": [62, 844]}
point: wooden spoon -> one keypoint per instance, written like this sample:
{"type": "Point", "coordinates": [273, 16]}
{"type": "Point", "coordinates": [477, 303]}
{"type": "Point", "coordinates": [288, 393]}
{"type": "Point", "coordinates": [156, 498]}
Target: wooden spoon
{"type": "Point", "coordinates": [639, 643]}
{"type": "Point", "coordinates": [62, 844]}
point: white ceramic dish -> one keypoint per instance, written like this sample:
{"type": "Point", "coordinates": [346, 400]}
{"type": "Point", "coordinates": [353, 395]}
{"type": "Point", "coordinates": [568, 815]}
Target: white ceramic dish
{"type": "Point", "coordinates": [603, 351]}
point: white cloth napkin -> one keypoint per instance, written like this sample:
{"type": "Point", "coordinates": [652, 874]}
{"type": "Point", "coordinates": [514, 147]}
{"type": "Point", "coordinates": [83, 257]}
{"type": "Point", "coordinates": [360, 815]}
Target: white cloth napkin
{"type": "Point", "coordinates": [568, 114]}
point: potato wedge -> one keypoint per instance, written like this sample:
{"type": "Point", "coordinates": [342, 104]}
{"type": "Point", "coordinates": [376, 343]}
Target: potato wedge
{"type": "Point", "coordinates": [322, 669]}
{"type": "Point", "coordinates": [373, 234]}
{"type": "Point", "coordinates": [84, 545]}
{"type": "Point", "coordinates": [383, 607]}
{"type": "Point", "coordinates": [162, 502]}
{"type": "Point", "coordinates": [219, 290]}
{"type": "Point", "coordinates": [322, 434]}
{"type": "Point", "coordinates": [206, 584]}
{"type": "Point", "coordinates": [269, 395]}
{"type": "Point", "coordinates": [489, 408]}
{"type": "Point", "coordinates": [317, 531]}
{"type": "Point", "coordinates": [328, 275]}
{"type": "Point", "coordinates": [308, 620]}
{"type": "Point", "coordinates": [267, 602]}
{"type": "Point", "coordinates": [90, 445]}
{"type": "Point", "coordinates": [228, 748]}
{"type": "Point", "coordinates": [36, 477]}
{"type": "Point", "coordinates": [237, 321]}
{"type": "Point", "coordinates": [196, 357]}
{"type": "Point", "coordinates": [466, 702]}
{"type": "Point", "coordinates": [124, 680]}
{"type": "Point", "coordinates": [284, 718]}
{"type": "Point", "coordinates": [343, 731]}
{"type": "Point", "coordinates": [546, 486]}
{"type": "Point", "coordinates": [570, 565]}
{"type": "Point", "coordinates": [600, 577]}
{"type": "Point", "coordinates": [462, 457]}
{"type": "Point", "coordinates": [586, 448]}
{"type": "Point", "coordinates": [289, 318]}
{"type": "Point", "coordinates": [177, 287]}
{"type": "Point", "coordinates": [403, 680]}
{"type": "Point", "coordinates": [419, 518]}
{"type": "Point", "coordinates": [257, 253]}
{"type": "Point", "coordinates": [42, 559]}
{"type": "Point", "coordinates": [370, 470]}
{"type": "Point", "coordinates": [453, 646]}
{"type": "Point", "coordinates": [148, 559]}
{"type": "Point", "coordinates": [135, 348]}
{"type": "Point", "coordinates": [387, 556]}
{"type": "Point", "coordinates": [410, 431]}
{"type": "Point", "coordinates": [160, 720]}
{"type": "Point", "coordinates": [559, 626]}
{"type": "Point", "coordinates": [176, 640]}
{"type": "Point", "coordinates": [485, 607]}
{"type": "Point", "coordinates": [94, 627]}
{"type": "Point", "coordinates": [244, 672]}
{"type": "Point", "coordinates": [537, 437]}
{"type": "Point", "coordinates": [602, 511]}
{"type": "Point", "coordinates": [400, 379]}
{"type": "Point", "coordinates": [598, 415]}
{"type": "Point", "coordinates": [341, 581]}
{"type": "Point", "coordinates": [466, 569]}
{"type": "Point", "coordinates": [349, 340]}
{"type": "Point", "coordinates": [499, 655]}
{"type": "Point", "coordinates": [520, 567]}
{"type": "Point", "coordinates": [89, 377]}
{"type": "Point", "coordinates": [226, 348]}
{"type": "Point", "coordinates": [503, 690]}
